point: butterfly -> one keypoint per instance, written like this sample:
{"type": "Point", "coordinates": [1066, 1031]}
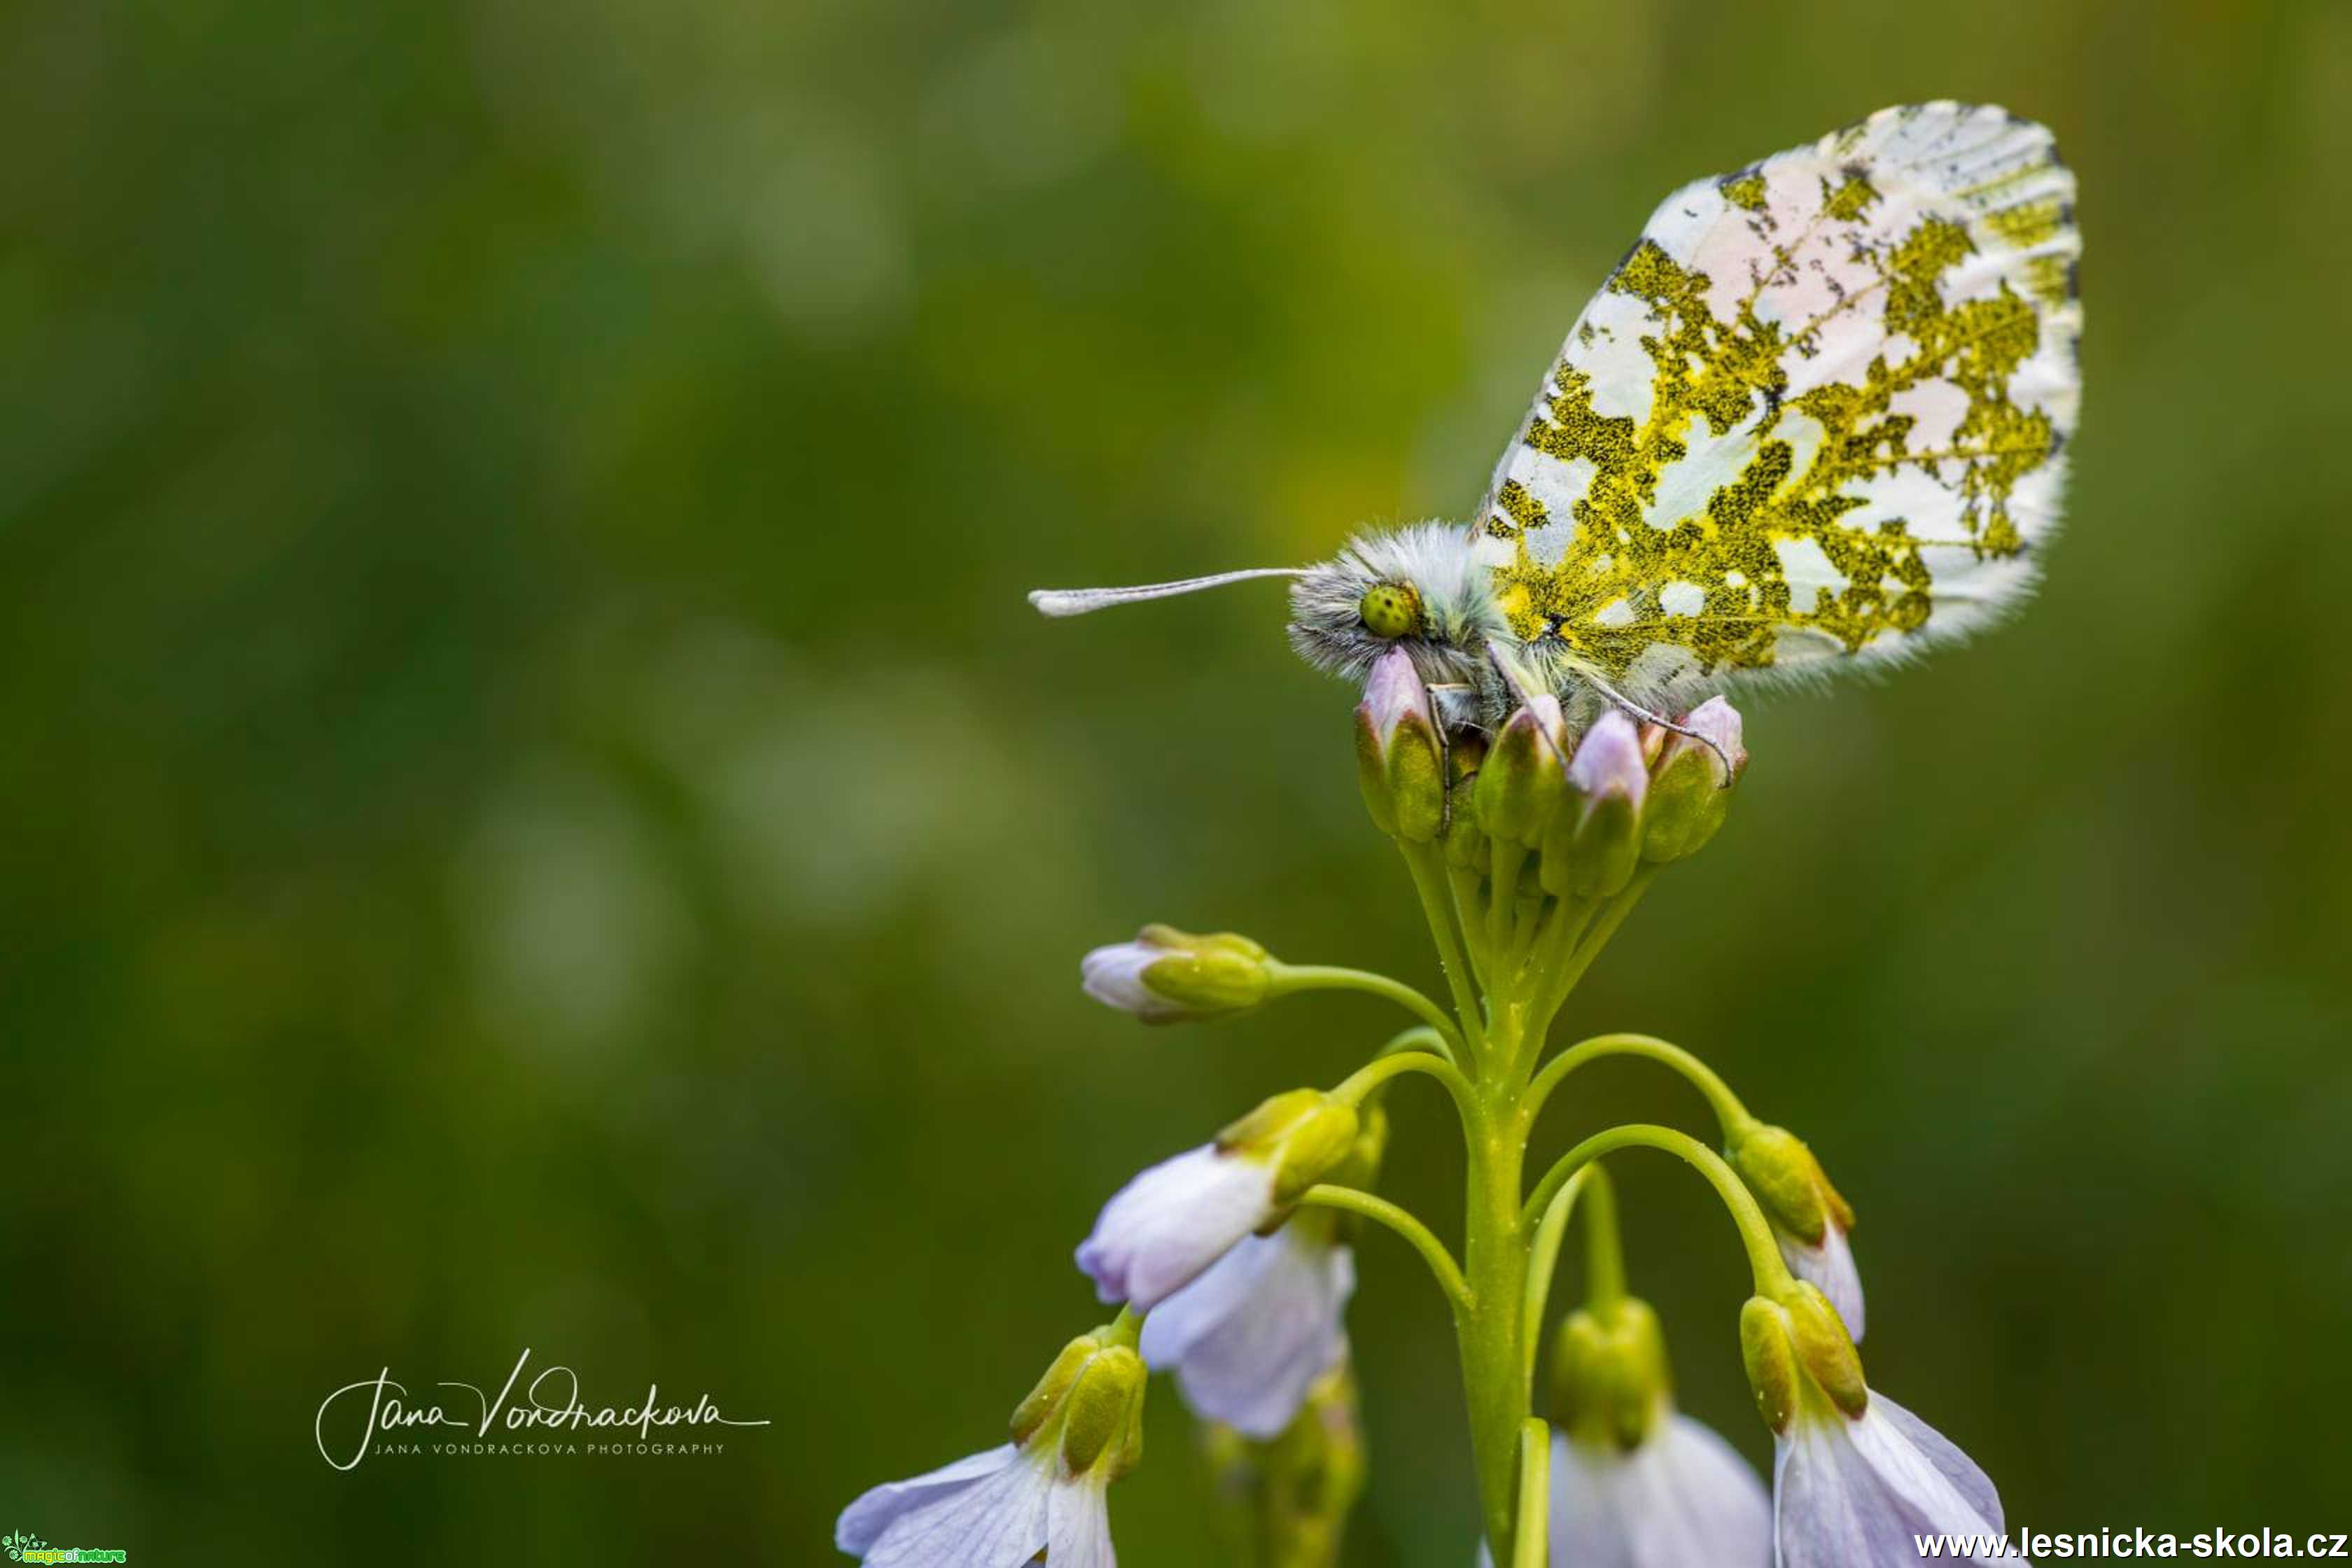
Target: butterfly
{"type": "Point", "coordinates": [1816, 417]}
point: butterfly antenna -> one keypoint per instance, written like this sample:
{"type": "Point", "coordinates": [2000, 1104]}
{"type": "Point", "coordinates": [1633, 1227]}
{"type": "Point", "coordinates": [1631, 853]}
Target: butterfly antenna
{"type": "Point", "coordinates": [1635, 709]}
{"type": "Point", "coordinates": [1078, 601]}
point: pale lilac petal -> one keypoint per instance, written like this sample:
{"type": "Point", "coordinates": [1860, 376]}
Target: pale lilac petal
{"type": "Point", "coordinates": [1830, 1266]}
{"type": "Point", "coordinates": [1609, 760]}
{"type": "Point", "coordinates": [1825, 1503]}
{"type": "Point", "coordinates": [1249, 1337]}
{"type": "Point", "coordinates": [1923, 1492]}
{"type": "Point", "coordinates": [1160, 1231]}
{"type": "Point", "coordinates": [1683, 1497]}
{"type": "Point", "coordinates": [871, 1514]}
{"type": "Point", "coordinates": [1857, 1493]}
{"type": "Point", "coordinates": [1695, 1500]}
{"type": "Point", "coordinates": [1114, 976]}
{"type": "Point", "coordinates": [1972, 1483]}
{"type": "Point", "coordinates": [1587, 1527]}
{"type": "Point", "coordinates": [1078, 1527]}
{"type": "Point", "coordinates": [1716, 721]}
{"type": "Point", "coordinates": [998, 1523]}
{"type": "Point", "coordinates": [1395, 693]}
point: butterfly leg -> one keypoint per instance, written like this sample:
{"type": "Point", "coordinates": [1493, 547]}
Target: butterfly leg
{"type": "Point", "coordinates": [1457, 709]}
{"type": "Point", "coordinates": [1635, 710]}
{"type": "Point", "coordinates": [1456, 703]}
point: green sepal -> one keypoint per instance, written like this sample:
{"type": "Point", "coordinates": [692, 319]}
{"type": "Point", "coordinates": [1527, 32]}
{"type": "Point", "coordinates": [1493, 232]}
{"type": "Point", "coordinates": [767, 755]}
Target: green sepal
{"type": "Point", "coordinates": [1220, 972]}
{"type": "Point", "coordinates": [1303, 1133]}
{"type": "Point", "coordinates": [1102, 1423]}
{"type": "Point", "coordinates": [1825, 1349]}
{"type": "Point", "coordinates": [1592, 851]}
{"type": "Point", "coordinates": [1523, 781]}
{"type": "Point", "coordinates": [1788, 1181]}
{"type": "Point", "coordinates": [1033, 1412]}
{"type": "Point", "coordinates": [1770, 1355]}
{"type": "Point", "coordinates": [1687, 804]}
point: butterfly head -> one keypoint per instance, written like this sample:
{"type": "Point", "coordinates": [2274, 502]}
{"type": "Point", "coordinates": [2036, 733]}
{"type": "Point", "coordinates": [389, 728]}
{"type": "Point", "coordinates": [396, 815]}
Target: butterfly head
{"type": "Point", "coordinates": [1420, 588]}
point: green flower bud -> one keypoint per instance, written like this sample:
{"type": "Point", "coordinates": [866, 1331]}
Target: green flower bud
{"type": "Point", "coordinates": [1594, 841]}
{"type": "Point", "coordinates": [1524, 777]}
{"type": "Point", "coordinates": [1169, 976]}
{"type": "Point", "coordinates": [1303, 1134]}
{"type": "Point", "coordinates": [1399, 760]}
{"type": "Point", "coordinates": [1690, 787]}
{"type": "Point", "coordinates": [1788, 1181]}
{"type": "Point", "coordinates": [1610, 1378]}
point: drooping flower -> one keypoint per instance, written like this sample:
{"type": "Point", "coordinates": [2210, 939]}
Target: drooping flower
{"type": "Point", "coordinates": [1634, 1483]}
{"type": "Point", "coordinates": [1856, 1478]}
{"type": "Point", "coordinates": [1811, 1220]}
{"type": "Point", "coordinates": [1079, 1430]}
{"type": "Point", "coordinates": [1168, 1224]}
{"type": "Point", "coordinates": [1248, 1338]}
{"type": "Point", "coordinates": [1169, 976]}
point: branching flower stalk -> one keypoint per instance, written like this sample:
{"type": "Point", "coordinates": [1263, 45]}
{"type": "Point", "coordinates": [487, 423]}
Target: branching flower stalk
{"type": "Point", "coordinates": [1232, 1266]}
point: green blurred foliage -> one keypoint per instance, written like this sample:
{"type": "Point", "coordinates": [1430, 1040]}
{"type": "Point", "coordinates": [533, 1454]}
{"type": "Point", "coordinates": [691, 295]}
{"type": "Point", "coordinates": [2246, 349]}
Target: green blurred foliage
{"type": "Point", "coordinates": [536, 815]}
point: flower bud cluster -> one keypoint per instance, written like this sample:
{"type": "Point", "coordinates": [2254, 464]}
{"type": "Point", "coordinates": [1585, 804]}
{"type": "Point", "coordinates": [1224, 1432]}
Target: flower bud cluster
{"type": "Point", "coordinates": [1590, 808]}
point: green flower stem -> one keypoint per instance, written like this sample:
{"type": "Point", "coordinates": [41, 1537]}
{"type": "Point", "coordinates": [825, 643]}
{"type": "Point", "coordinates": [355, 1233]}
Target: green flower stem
{"type": "Point", "coordinates": [1420, 1038]}
{"type": "Point", "coordinates": [1287, 978]}
{"type": "Point", "coordinates": [1604, 1252]}
{"type": "Point", "coordinates": [1586, 944]}
{"type": "Point", "coordinates": [1388, 1065]}
{"type": "Point", "coordinates": [1543, 1258]}
{"type": "Point", "coordinates": [1728, 1112]}
{"type": "Point", "coordinates": [1402, 1221]}
{"type": "Point", "coordinates": [1491, 1327]}
{"type": "Point", "coordinates": [1464, 887]}
{"type": "Point", "coordinates": [1505, 860]}
{"type": "Point", "coordinates": [1535, 1495]}
{"type": "Point", "coordinates": [1429, 880]}
{"type": "Point", "coordinates": [1126, 1329]}
{"type": "Point", "coordinates": [1771, 1275]}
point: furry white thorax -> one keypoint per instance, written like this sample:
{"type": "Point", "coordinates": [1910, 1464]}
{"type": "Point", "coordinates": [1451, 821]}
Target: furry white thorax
{"type": "Point", "coordinates": [1456, 591]}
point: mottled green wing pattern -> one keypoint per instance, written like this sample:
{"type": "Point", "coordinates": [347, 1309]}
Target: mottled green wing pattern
{"type": "Point", "coordinates": [1816, 413]}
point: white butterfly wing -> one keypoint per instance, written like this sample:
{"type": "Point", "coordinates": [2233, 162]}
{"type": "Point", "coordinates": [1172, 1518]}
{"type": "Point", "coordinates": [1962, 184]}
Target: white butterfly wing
{"type": "Point", "coordinates": [1817, 413]}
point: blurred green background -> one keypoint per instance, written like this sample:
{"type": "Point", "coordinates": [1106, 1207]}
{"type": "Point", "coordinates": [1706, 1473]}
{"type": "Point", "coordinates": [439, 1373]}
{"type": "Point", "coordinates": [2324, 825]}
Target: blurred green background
{"type": "Point", "coordinates": [536, 815]}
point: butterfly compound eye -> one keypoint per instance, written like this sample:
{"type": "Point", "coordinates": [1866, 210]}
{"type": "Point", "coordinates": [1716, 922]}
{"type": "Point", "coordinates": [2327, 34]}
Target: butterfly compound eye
{"type": "Point", "coordinates": [1391, 609]}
